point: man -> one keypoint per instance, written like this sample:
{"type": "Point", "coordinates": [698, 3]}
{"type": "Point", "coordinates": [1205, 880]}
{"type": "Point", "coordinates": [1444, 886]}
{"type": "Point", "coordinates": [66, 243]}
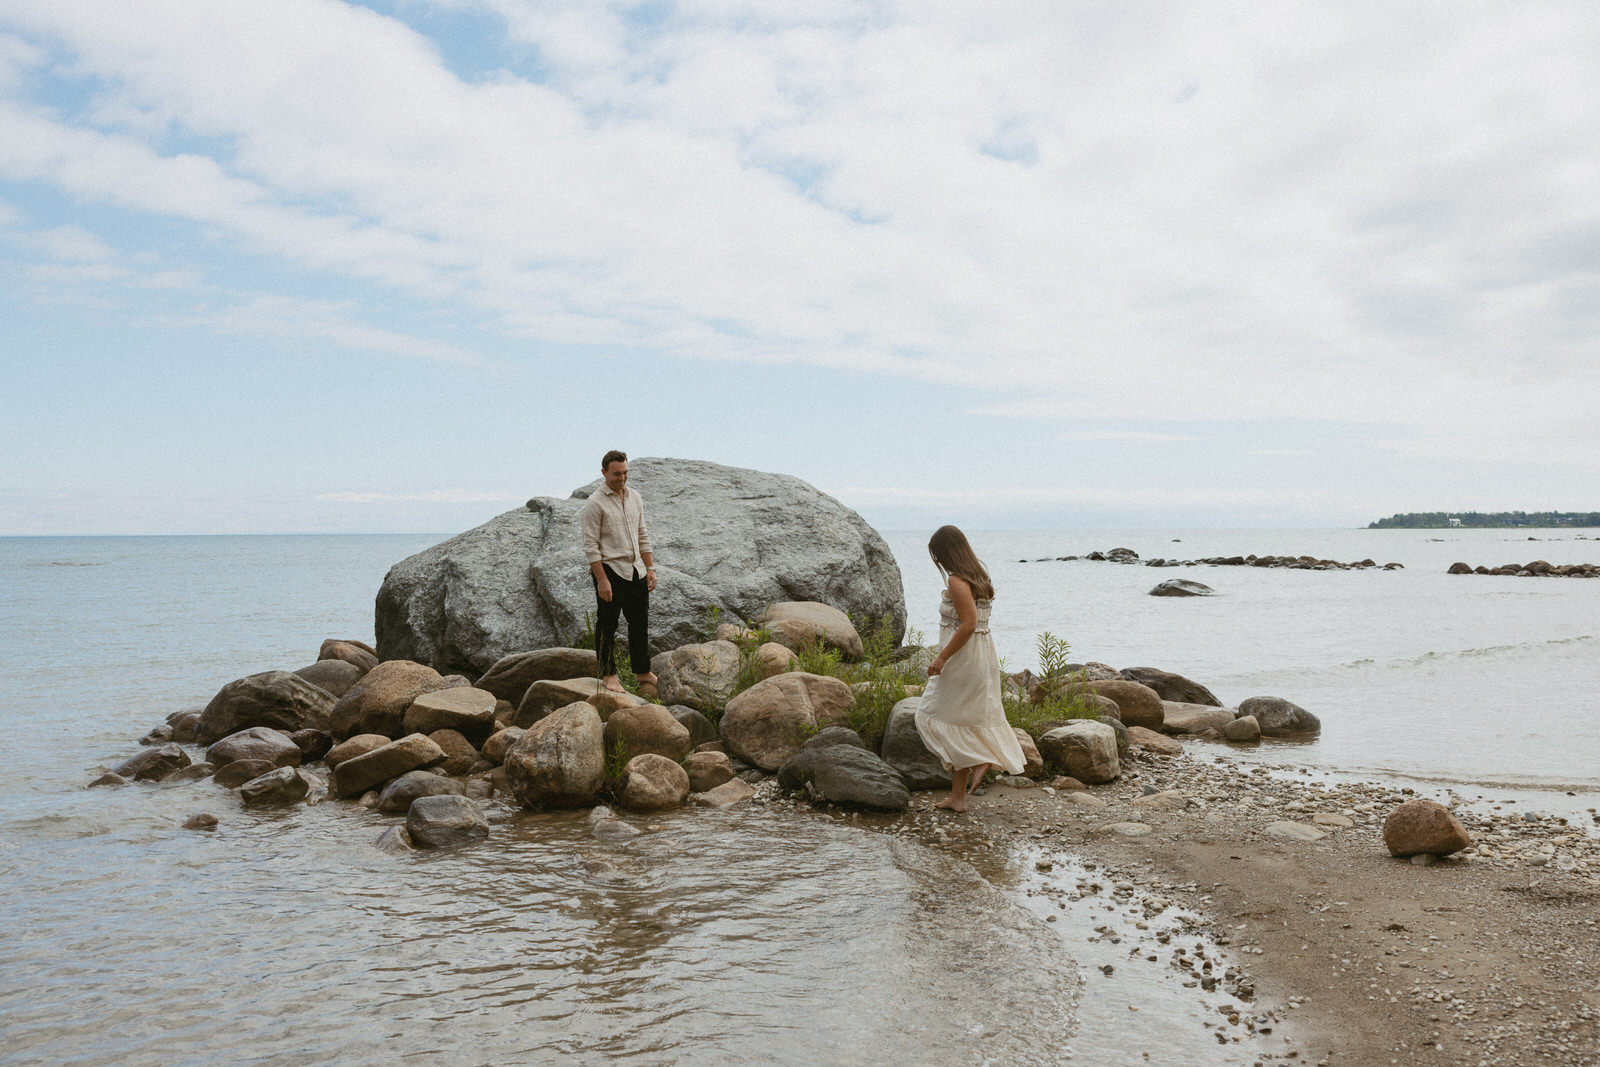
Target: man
{"type": "Point", "coordinates": [623, 569]}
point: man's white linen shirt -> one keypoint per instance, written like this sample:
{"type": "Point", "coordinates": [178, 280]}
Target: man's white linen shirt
{"type": "Point", "coordinates": [613, 531]}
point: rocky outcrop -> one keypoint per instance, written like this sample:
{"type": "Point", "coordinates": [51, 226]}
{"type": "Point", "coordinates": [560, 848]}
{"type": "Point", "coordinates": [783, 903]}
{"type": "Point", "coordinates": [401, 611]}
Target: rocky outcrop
{"type": "Point", "coordinates": [1083, 749]}
{"type": "Point", "coordinates": [379, 702]}
{"type": "Point", "coordinates": [510, 676]}
{"type": "Point", "coordinates": [1169, 686]}
{"type": "Point", "coordinates": [903, 749]}
{"type": "Point", "coordinates": [1280, 718]}
{"type": "Point", "coordinates": [1424, 827]}
{"type": "Point", "coordinates": [652, 783]}
{"type": "Point", "coordinates": [698, 676]}
{"type": "Point", "coordinates": [1537, 569]}
{"type": "Point", "coordinates": [795, 624]}
{"type": "Point", "coordinates": [277, 699]}
{"type": "Point", "coordinates": [559, 761]}
{"type": "Point", "coordinates": [767, 723]}
{"type": "Point", "coordinates": [731, 538]}
{"type": "Point", "coordinates": [445, 821]}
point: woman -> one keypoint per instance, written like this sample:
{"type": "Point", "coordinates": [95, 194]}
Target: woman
{"type": "Point", "coordinates": [961, 718]}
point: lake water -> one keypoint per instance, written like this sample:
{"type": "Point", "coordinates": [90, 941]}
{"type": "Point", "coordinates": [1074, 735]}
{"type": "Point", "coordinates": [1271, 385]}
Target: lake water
{"type": "Point", "coordinates": [285, 937]}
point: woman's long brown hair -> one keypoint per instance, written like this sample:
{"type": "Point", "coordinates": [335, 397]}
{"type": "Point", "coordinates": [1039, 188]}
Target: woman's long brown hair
{"type": "Point", "coordinates": [953, 555]}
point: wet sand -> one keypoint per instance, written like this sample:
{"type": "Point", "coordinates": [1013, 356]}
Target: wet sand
{"type": "Point", "coordinates": [1328, 951]}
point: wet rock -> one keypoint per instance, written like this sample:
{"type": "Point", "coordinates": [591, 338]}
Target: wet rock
{"type": "Point", "coordinates": [1085, 750]}
{"type": "Point", "coordinates": [336, 676]}
{"type": "Point", "coordinates": [256, 743]}
{"type": "Point", "coordinates": [395, 840]}
{"type": "Point", "coordinates": [364, 772]}
{"type": "Point", "coordinates": [195, 772]}
{"type": "Point", "coordinates": [1181, 718]}
{"type": "Point", "coordinates": [379, 702]}
{"type": "Point", "coordinates": [276, 699]}
{"type": "Point", "coordinates": [495, 749]}
{"type": "Point", "coordinates": [1419, 826]}
{"type": "Point", "coordinates": [459, 755]}
{"type": "Point", "coordinates": [707, 770]}
{"type": "Point", "coordinates": [698, 676]}
{"type": "Point", "coordinates": [652, 782]}
{"type": "Point", "coordinates": [632, 732]}
{"type": "Point", "coordinates": [613, 830]}
{"type": "Point", "coordinates": [700, 729]}
{"type": "Point", "coordinates": [725, 795]}
{"type": "Point", "coordinates": [797, 769]}
{"type": "Point", "coordinates": [1169, 686]}
{"type": "Point", "coordinates": [559, 762]}
{"type": "Point", "coordinates": [1150, 741]}
{"type": "Point", "coordinates": [160, 735]}
{"type": "Point", "coordinates": [398, 794]}
{"type": "Point", "coordinates": [350, 748]}
{"type": "Point", "coordinates": [511, 675]}
{"type": "Point", "coordinates": [1280, 718]}
{"type": "Point", "coordinates": [202, 821]}
{"type": "Point", "coordinates": [773, 658]}
{"type": "Point", "coordinates": [854, 777]}
{"type": "Point", "coordinates": [1244, 729]}
{"type": "Point", "coordinates": [735, 539]}
{"type": "Point", "coordinates": [281, 785]}
{"type": "Point", "coordinates": [543, 697]}
{"type": "Point", "coordinates": [1182, 587]}
{"type": "Point", "coordinates": [240, 771]}
{"type": "Point", "coordinates": [766, 724]}
{"type": "Point", "coordinates": [445, 821]}
{"type": "Point", "coordinates": [153, 764]}
{"type": "Point", "coordinates": [467, 711]}
{"type": "Point", "coordinates": [313, 744]}
{"type": "Point", "coordinates": [903, 749]}
{"type": "Point", "coordinates": [186, 727]}
{"type": "Point", "coordinates": [109, 778]}
{"type": "Point", "coordinates": [795, 624]}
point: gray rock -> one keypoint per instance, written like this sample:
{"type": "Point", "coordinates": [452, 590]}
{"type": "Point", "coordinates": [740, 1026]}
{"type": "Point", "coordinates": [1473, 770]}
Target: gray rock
{"type": "Point", "coordinates": [1279, 718]}
{"type": "Point", "coordinates": [1171, 686]}
{"type": "Point", "coordinates": [1182, 718]}
{"type": "Point", "coordinates": [1084, 749]}
{"type": "Point", "coordinates": [854, 777]}
{"type": "Point", "coordinates": [337, 676]}
{"type": "Point", "coordinates": [511, 675]}
{"type": "Point", "coordinates": [256, 743]}
{"type": "Point", "coordinates": [1244, 729]}
{"type": "Point", "coordinates": [443, 821]}
{"type": "Point", "coordinates": [241, 771]}
{"type": "Point", "coordinates": [725, 795]}
{"type": "Point", "coordinates": [699, 676]}
{"type": "Point", "coordinates": [153, 764]}
{"type": "Point", "coordinates": [545, 696]}
{"type": "Point", "coordinates": [797, 770]}
{"type": "Point", "coordinates": [107, 779]}
{"type": "Point", "coordinates": [736, 539]}
{"type": "Point", "coordinates": [904, 751]}
{"type": "Point", "coordinates": [195, 772]}
{"type": "Point", "coordinates": [1182, 587]}
{"type": "Point", "coordinates": [398, 794]}
{"type": "Point", "coordinates": [158, 736]}
{"type": "Point", "coordinates": [1295, 831]}
{"type": "Point", "coordinates": [282, 785]}
{"type": "Point", "coordinates": [396, 840]}
{"type": "Point", "coordinates": [459, 754]}
{"type": "Point", "coordinates": [277, 699]}
{"type": "Point", "coordinates": [202, 821]}
{"type": "Point", "coordinates": [700, 729]}
{"type": "Point", "coordinates": [468, 711]}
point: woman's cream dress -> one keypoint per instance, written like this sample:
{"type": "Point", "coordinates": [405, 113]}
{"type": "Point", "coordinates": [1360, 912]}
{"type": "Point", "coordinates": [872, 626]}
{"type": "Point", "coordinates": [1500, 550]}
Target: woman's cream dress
{"type": "Point", "coordinates": [961, 719]}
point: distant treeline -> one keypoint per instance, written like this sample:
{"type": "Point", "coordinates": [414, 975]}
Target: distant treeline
{"type": "Point", "coordinates": [1412, 520]}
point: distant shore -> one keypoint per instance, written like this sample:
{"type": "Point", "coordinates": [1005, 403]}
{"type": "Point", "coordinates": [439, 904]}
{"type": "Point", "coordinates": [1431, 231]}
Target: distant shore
{"type": "Point", "coordinates": [1490, 520]}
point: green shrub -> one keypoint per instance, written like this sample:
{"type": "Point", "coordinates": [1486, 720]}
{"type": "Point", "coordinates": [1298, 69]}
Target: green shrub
{"type": "Point", "coordinates": [1061, 701]}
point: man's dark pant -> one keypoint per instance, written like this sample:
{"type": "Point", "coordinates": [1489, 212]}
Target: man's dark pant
{"type": "Point", "coordinates": [630, 597]}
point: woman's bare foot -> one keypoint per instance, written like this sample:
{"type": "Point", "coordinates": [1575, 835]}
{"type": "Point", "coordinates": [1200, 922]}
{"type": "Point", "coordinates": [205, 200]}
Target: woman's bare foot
{"type": "Point", "coordinates": [976, 778]}
{"type": "Point", "coordinates": [951, 804]}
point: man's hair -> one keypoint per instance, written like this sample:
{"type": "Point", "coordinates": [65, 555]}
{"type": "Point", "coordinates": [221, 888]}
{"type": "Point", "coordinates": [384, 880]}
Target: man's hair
{"type": "Point", "coordinates": [613, 457]}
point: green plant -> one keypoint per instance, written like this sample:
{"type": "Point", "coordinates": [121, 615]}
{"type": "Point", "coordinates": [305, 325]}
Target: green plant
{"type": "Point", "coordinates": [616, 760]}
{"type": "Point", "coordinates": [1061, 692]}
{"type": "Point", "coordinates": [585, 638]}
{"type": "Point", "coordinates": [710, 619]}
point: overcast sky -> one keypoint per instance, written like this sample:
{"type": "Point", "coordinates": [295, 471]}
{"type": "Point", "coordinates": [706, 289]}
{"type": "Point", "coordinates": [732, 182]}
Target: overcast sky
{"type": "Point", "coordinates": [310, 265]}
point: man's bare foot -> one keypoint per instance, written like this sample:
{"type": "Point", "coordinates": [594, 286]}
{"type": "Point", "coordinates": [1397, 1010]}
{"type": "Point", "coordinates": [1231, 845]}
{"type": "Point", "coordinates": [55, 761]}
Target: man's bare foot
{"type": "Point", "coordinates": [613, 683]}
{"type": "Point", "coordinates": [647, 678]}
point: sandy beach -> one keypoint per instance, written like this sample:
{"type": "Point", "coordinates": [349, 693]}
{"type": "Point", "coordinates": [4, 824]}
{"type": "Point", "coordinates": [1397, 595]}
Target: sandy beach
{"type": "Point", "coordinates": [1328, 951]}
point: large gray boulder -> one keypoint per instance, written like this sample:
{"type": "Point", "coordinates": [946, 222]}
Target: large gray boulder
{"type": "Point", "coordinates": [904, 751]}
{"type": "Point", "coordinates": [735, 539]}
{"type": "Point", "coordinates": [856, 778]}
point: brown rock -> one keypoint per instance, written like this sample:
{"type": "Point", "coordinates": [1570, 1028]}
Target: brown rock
{"type": "Point", "coordinates": [652, 783]}
{"type": "Point", "coordinates": [186, 727]}
{"type": "Point", "coordinates": [511, 675]}
{"type": "Point", "coordinates": [1150, 741]}
{"type": "Point", "coordinates": [1171, 686]}
{"type": "Point", "coordinates": [1424, 826]}
{"type": "Point", "coordinates": [1138, 704]}
{"type": "Point", "coordinates": [241, 771]}
{"type": "Point", "coordinates": [277, 699]}
{"type": "Point", "coordinates": [195, 772]}
{"type": "Point", "coordinates": [725, 795]}
{"type": "Point", "coordinates": [698, 676]}
{"type": "Point", "coordinates": [282, 785]}
{"type": "Point", "coordinates": [1032, 762]}
{"type": "Point", "coordinates": [359, 745]}
{"type": "Point", "coordinates": [767, 723]}
{"type": "Point", "coordinates": [153, 764]}
{"type": "Point", "coordinates": [314, 744]}
{"type": "Point", "coordinates": [1244, 729]}
{"type": "Point", "coordinates": [647, 728]}
{"type": "Point", "coordinates": [559, 761]}
{"type": "Point", "coordinates": [410, 753]}
{"type": "Point", "coordinates": [495, 749]}
{"type": "Point", "coordinates": [459, 755]}
{"type": "Point", "coordinates": [258, 742]}
{"type": "Point", "coordinates": [379, 702]}
{"type": "Point", "coordinates": [773, 658]}
{"type": "Point", "coordinates": [1067, 784]}
{"type": "Point", "coordinates": [203, 821]}
{"type": "Point", "coordinates": [543, 697]}
{"type": "Point", "coordinates": [466, 710]}
{"type": "Point", "coordinates": [109, 778]}
{"type": "Point", "coordinates": [1180, 718]}
{"type": "Point", "coordinates": [337, 676]}
{"type": "Point", "coordinates": [798, 623]}
{"type": "Point", "coordinates": [606, 701]}
{"type": "Point", "coordinates": [354, 653]}
{"type": "Point", "coordinates": [707, 770]}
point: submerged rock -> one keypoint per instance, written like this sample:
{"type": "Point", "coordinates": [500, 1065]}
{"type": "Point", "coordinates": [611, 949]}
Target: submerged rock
{"type": "Point", "coordinates": [282, 785]}
{"type": "Point", "coordinates": [1280, 718]}
{"type": "Point", "coordinates": [153, 764]}
{"type": "Point", "coordinates": [398, 795]}
{"type": "Point", "coordinates": [1182, 587]}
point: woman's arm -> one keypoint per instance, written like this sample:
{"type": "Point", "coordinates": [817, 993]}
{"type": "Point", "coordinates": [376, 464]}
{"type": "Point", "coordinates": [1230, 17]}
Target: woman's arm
{"type": "Point", "coordinates": [967, 613]}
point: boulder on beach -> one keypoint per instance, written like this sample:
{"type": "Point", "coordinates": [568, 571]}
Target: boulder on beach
{"type": "Point", "coordinates": [648, 728]}
{"type": "Point", "coordinates": [281, 785]}
{"type": "Point", "coordinates": [707, 770]}
{"type": "Point", "coordinates": [773, 658]}
{"type": "Point", "coordinates": [651, 782]}
{"type": "Point", "coordinates": [442, 821]}
{"type": "Point", "coordinates": [278, 699]}
{"type": "Point", "coordinates": [1424, 827]}
{"type": "Point", "coordinates": [1245, 729]}
{"type": "Point", "coordinates": [240, 771]}
{"type": "Point", "coordinates": [466, 710]}
{"type": "Point", "coordinates": [737, 540]}
{"type": "Point", "coordinates": [795, 624]}
{"type": "Point", "coordinates": [335, 675]}
{"type": "Point", "coordinates": [1084, 749]}
{"type": "Point", "coordinates": [856, 778]}
{"type": "Point", "coordinates": [698, 676]}
{"type": "Point", "coordinates": [361, 773]}
{"type": "Point", "coordinates": [767, 723]}
{"type": "Point", "coordinates": [1180, 718]}
{"type": "Point", "coordinates": [1137, 704]}
{"type": "Point", "coordinates": [358, 654]}
{"type": "Point", "coordinates": [509, 677]}
{"type": "Point", "coordinates": [796, 771]}
{"type": "Point", "coordinates": [379, 702]}
{"type": "Point", "coordinates": [903, 749]}
{"type": "Point", "coordinates": [398, 794]}
{"type": "Point", "coordinates": [257, 742]}
{"type": "Point", "coordinates": [1182, 587]}
{"type": "Point", "coordinates": [544, 696]}
{"type": "Point", "coordinates": [351, 747]}
{"type": "Point", "coordinates": [1169, 686]}
{"type": "Point", "coordinates": [1032, 761]}
{"type": "Point", "coordinates": [559, 761]}
{"type": "Point", "coordinates": [1150, 741]}
{"type": "Point", "coordinates": [1280, 718]}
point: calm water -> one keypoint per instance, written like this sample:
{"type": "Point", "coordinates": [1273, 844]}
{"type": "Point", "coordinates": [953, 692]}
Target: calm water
{"type": "Point", "coordinates": [719, 937]}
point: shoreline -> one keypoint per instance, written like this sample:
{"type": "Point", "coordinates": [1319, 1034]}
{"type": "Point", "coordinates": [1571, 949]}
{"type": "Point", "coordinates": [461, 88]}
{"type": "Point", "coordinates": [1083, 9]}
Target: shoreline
{"type": "Point", "coordinates": [1348, 955]}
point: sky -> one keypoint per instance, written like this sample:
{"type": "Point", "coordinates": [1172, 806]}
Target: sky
{"type": "Point", "coordinates": [325, 266]}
